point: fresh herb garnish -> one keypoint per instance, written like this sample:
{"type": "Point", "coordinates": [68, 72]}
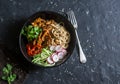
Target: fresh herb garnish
{"type": "Point", "coordinates": [8, 75]}
{"type": "Point", "coordinates": [31, 32]}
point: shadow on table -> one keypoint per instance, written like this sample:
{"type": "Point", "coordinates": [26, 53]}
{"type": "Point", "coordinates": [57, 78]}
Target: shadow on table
{"type": "Point", "coordinates": [11, 49]}
{"type": "Point", "coordinates": [11, 45]}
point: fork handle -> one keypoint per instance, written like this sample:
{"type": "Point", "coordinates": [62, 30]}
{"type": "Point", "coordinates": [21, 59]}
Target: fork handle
{"type": "Point", "coordinates": [81, 53]}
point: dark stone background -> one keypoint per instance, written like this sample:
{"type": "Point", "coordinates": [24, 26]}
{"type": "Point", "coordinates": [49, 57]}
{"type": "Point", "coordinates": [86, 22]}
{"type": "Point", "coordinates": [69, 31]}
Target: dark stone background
{"type": "Point", "coordinates": [99, 33]}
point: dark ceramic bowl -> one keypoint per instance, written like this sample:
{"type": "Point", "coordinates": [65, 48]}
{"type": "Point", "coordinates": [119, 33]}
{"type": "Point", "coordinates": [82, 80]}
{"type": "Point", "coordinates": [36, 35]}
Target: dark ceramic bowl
{"type": "Point", "coordinates": [58, 18]}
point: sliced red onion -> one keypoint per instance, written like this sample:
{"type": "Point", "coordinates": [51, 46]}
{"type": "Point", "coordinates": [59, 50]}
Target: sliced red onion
{"type": "Point", "coordinates": [49, 60]}
{"type": "Point", "coordinates": [55, 58]}
{"type": "Point", "coordinates": [61, 55]}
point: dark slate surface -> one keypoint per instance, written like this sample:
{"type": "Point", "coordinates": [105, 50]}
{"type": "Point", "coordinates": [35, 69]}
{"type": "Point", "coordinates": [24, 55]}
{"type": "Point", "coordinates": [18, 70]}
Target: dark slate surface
{"type": "Point", "coordinates": [99, 32]}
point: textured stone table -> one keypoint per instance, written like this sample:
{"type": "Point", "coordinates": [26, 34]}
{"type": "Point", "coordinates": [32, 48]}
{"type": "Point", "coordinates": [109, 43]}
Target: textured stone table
{"type": "Point", "coordinates": [99, 32]}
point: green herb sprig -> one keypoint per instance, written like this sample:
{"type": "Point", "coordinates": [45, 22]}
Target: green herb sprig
{"type": "Point", "coordinates": [8, 75]}
{"type": "Point", "coordinates": [31, 32]}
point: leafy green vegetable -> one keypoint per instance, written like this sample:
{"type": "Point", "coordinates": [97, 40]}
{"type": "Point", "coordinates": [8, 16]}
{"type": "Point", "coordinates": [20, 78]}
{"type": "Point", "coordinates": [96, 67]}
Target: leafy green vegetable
{"type": "Point", "coordinates": [31, 32]}
{"type": "Point", "coordinates": [7, 74]}
{"type": "Point", "coordinates": [41, 58]}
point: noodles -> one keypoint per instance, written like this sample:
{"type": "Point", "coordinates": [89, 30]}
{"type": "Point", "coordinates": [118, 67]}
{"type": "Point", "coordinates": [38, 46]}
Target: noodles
{"type": "Point", "coordinates": [53, 33]}
{"type": "Point", "coordinates": [61, 36]}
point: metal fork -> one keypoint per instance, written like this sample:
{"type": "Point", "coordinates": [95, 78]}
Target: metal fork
{"type": "Point", "coordinates": [72, 19]}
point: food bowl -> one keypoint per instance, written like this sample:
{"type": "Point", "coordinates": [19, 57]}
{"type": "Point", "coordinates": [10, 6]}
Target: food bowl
{"type": "Point", "coordinates": [58, 18]}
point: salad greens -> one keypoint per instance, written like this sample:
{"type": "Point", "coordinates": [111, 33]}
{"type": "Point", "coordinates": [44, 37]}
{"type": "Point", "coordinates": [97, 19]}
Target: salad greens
{"type": "Point", "coordinates": [41, 58]}
{"type": "Point", "coordinates": [31, 32]}
{"type": "Point", "coordinates": [7, 74]}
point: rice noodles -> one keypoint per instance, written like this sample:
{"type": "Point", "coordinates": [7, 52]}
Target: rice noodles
{"type": "Point", "coordinates": [53, 33]}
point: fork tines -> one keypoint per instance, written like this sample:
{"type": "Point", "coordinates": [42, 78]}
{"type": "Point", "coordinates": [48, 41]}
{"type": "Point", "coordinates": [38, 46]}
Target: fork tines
{"type": "Point", "coordinates": [72, 19]}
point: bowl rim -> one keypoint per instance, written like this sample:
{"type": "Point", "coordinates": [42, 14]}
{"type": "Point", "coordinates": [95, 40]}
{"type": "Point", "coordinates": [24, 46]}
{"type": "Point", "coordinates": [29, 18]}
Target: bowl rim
{"type": "Point", "coordinates": [20, 45]}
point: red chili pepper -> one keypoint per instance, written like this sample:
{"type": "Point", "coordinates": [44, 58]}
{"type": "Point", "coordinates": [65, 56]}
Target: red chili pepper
{"type": "Point", "coordinates": [33, 49]}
